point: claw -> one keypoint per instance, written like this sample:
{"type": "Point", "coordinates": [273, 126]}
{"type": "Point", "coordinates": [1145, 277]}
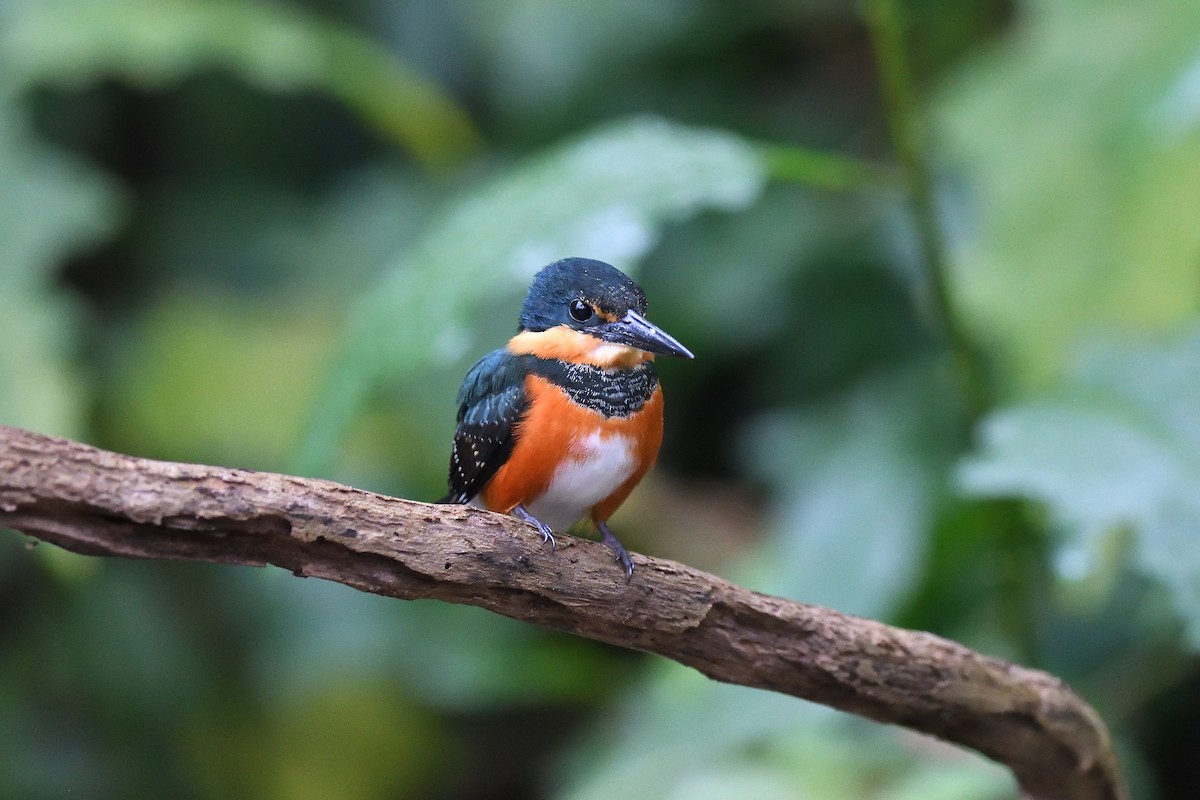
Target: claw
{"type": "Point", "coordinates": [618, 549]}
{"type": "Point", "coordinates": [521, 513]}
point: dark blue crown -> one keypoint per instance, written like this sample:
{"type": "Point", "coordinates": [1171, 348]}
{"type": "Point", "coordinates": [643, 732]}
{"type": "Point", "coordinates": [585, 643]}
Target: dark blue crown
{"type": "Point", "coordinates": [599, 284]}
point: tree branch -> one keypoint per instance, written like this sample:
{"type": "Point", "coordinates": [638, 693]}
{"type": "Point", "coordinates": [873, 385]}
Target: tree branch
{"type": "Point", "coordinates": [100, 503]}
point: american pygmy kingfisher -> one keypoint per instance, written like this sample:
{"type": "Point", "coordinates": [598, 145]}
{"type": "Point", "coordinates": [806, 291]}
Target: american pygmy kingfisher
{"type": "Point", "coordinates": [565, 420]}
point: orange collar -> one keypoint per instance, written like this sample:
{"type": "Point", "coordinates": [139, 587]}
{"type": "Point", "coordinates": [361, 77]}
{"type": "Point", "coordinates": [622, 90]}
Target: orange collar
{"type": "Point", "coordinates": [565, 344]}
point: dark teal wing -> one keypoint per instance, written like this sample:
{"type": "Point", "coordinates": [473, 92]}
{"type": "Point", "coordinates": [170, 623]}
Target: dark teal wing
{"type": "Point", "coordinates": [491, 401]}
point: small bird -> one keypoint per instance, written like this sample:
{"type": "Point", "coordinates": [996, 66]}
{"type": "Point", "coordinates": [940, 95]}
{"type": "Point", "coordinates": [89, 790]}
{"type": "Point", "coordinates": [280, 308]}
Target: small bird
{"type": "Point", "coordinates": [563, 422]}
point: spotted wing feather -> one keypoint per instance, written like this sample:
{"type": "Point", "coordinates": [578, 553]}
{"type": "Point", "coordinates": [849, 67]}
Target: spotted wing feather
{"type": "Point", "coordinates": [490, 403]}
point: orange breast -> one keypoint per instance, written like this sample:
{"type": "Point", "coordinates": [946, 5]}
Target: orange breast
{"type": "Point", "coordinates": [548, 435]}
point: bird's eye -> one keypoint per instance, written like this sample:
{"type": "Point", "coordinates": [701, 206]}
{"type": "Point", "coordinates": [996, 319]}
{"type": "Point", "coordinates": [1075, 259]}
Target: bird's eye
{"type": "Point", "coordinates": [580, 311]}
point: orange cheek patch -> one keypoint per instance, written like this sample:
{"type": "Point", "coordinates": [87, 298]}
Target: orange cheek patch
{"type": "Point", "coordinates": [565, 344]}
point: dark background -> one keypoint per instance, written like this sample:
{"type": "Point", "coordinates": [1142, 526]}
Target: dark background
{"type": "Point", "coordinates": [276, 236]}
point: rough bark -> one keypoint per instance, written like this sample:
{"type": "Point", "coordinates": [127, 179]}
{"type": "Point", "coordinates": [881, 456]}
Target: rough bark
{"type": "Point", "coordinates": [101, 503]}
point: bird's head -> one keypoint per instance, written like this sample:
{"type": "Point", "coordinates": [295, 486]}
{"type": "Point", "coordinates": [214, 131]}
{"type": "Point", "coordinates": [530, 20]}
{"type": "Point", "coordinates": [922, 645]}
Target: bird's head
{"type": "Point", "coordinates": [583, 304]}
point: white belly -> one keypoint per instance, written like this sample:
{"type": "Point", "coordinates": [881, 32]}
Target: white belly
{"type": "Point", "coordinates": [597, 466]}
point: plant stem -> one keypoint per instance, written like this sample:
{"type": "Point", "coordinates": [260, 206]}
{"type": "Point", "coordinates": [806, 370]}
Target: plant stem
{"type": "Point", "coordinates": [1020, 545]}
{"type": "Point", "coordinates": [824, 170]}
{"type": "Point", "coordinates": [884, 22]}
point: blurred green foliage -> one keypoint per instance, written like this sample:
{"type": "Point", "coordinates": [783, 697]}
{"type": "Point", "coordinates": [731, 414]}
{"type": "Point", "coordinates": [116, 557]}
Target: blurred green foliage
{"type": "Point", "coordinates": [1117, 444]}
{"type": "Point", "coordinates": [275, 235]}
{"type": "Point", "coordinates": [1090, 204]}
{"type": "Point", "coordinates": [277, 48]}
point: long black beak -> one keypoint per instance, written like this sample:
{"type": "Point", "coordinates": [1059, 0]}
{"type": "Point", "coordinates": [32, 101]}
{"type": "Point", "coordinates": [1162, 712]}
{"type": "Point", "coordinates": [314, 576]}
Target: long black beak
{"type": "Point", "coordinates": [635, 330]}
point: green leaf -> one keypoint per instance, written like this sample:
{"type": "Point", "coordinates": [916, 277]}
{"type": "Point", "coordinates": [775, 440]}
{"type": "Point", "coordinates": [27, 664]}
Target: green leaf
{"type": "Point", "coordinates": [398, 750]}
{"type": "Point", "coordinates": [50, 206]}
{"type": "Point", "coordinates": [541, 54]}
{"type": "Point", "coordinates": [604, 195]}
{"type": "Point", "coordinates": [685, 736]}
{"type": "Point", "coordinates": [1080, 140]}
{"type": "Point", "coordinates": [1118, 448]}
{"type": "Point", "coordinates": [188, 350]}
{"type": "Point", "coordinates": [40, 389]}
{"type": "Point", "coordinates": [278, 48]}
{"type": "Point", "coordinates": [857, 485]}
{"type": "Point", "coordinates": [719, 782]}
{"type": "Point", "coordinates": [824, 170]}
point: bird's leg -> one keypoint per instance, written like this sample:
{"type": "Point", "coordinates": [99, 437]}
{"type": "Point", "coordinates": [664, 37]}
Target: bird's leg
{"type": "Point", "coordinates": [521, 513]}
{"type": "Point", "coordinates": [618, 549]}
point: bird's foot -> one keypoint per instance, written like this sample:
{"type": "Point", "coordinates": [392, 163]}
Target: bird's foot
{"type": "Point", "coordinates": [521, 513]}
{"type": "Point", "coordinates": [618, 549]}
